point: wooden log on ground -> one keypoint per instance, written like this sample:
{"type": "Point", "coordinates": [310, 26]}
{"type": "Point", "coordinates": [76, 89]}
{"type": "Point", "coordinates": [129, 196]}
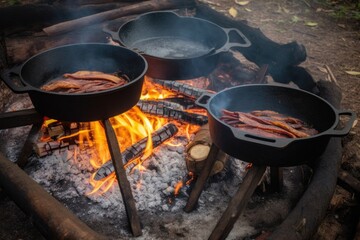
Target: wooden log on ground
{"type": "Point", "coordinates": [53, 220]}
{"type": "Point", "coordinates": [28, 15]}
{"type": "Point", "coordinates": [124, 185]}
{"type": "Point", "coordinates": [152, 5]}
{"type": "Point", "coordinates": [302, 223]}
{"type": "Point", "coordinates": [201, 180]}
{"type": "Point", "coordinates": [198, 150]}
{"type": "Point", "coordinates": [282, 59]}
{"type": "Point", "coordinates": [347, 181]}
{"type": "Point", "coordinates": [263, 50]}
{"type": "Point", "coordinates": [20, 49]}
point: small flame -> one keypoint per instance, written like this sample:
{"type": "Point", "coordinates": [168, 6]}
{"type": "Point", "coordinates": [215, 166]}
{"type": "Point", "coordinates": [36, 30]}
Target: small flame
{"type": "Point", "coordinates": [130, 127]}
{"type": "Point", "coordinates": [178, 187]}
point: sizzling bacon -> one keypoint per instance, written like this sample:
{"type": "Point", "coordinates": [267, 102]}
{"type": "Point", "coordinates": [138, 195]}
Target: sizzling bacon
{"type": "Point", "coordinates": [89, 75]}
{"type": "Point", "coordinates": [84, 82]}
{"type": "Point", "coordinates": [268, 123]}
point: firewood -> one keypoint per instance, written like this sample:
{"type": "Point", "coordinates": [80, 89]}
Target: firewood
{"type": "Point", "coordinates": [159, 109]}
{"type": "Point", "coordinates": [47, 148]}
{"type": "Point", "coordinates": [135, 150]}
{"type": "Point", "coordinates": [198, 150]}
{"type": "Point", "coordinates": [117, 13]}
{"type": "Point", "coordinates": [182, 88]}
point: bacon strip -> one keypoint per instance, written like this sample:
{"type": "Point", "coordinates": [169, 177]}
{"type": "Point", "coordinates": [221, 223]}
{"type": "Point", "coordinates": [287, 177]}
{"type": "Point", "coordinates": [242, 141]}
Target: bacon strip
{"type": "Point", "coordinates": [90, 75]}
{"type": "Point", "coordinates": [268, 123]}
{"type": "Point", "coordinates": [84, 82]}
{"type": "Point", "coordinates": [62, 84]}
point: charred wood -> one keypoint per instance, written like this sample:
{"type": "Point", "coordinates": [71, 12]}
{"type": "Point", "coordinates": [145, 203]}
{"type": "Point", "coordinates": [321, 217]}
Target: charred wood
{"type": "Point", "coordinates": [181, 88]}
{"type": "Point", "coordinates": [162, 111]}
{"type": "Point", "coordinates": [186, 103]}
{"type": "Point", "coordinates": [281, 58]}
{"type": "Point", "coordinates": [161, 104]}
{"type": "Point", "coordinates": [27, 15]}
{"type": "Point", "coordinates": [263, 50]}
{"type": "Point", "coordinates": [347, 181]}
{"type": "Point", "coordinates": [137, 8]}
{"type": "Point", "coordinates": [134, 151]}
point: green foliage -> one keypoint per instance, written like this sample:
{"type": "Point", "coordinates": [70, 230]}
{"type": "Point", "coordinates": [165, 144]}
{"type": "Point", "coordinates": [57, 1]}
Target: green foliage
{"type": "Point", "coordinates": [346, 9]}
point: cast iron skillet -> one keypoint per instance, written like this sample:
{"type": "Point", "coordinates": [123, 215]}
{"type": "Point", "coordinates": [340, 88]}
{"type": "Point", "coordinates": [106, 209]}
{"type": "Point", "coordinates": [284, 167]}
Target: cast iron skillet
{"type": "Point", "coordinates": [286, 100]}
{"type": "Point", "coordinates": [53, 63]}
{"type": "Point", "coordinates": [176, 47]}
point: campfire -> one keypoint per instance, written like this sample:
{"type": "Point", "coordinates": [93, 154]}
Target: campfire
{"type": "Point", "coordinates": [166, 110]}
{"type": "Point", "coordinates": [157, 161]}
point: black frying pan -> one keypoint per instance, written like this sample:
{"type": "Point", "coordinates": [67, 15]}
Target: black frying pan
{"type": "Point", "coordinates": [260, 150]}
{"type": "Point", "coordinates": [176, 47]}
{"type": "Point", "coordinates": [53, 63]}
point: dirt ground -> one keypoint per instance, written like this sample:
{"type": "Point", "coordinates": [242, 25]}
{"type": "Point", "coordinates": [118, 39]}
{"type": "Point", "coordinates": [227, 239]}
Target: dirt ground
{"type": "Point", "coordinates": [331, 43]}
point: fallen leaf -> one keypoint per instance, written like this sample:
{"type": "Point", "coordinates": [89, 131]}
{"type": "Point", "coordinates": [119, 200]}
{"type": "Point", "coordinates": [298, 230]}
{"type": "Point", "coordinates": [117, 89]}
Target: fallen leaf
{"type": "Point", "coordinates": [242, 3]}
{"type": "Point", "coordinates": [295, 19]}
{"type": "Point", "coordinates": [311, 24]}
{"type": "Point", "coordinates": [233, 12]}
{"type": "Point", "coordinates": [285, 10]}
{"type": "Point", "coordinates": [248, 10]}
{"type": "Point", "coordinates": [354, 73]}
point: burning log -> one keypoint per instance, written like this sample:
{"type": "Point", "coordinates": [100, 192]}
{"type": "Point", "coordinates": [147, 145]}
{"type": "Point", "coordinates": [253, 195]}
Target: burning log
{"type": "Point", "coordinates": [198, 150]}
{"type": "Point", "coordinates": [182, 88]}
{"type": "Point", "coordinates": [134, 151]}
{"type": "Point", "coordinates": [137, 8]}
{"type": "Point", "coordinates": [160, 104]}
{"type": "Point", "coordinates": [159, 109]}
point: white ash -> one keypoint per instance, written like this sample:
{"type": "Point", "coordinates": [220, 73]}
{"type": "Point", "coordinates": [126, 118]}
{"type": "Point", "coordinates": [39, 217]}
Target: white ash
{"type": "Point", "coordinates": [65, 174]}
{"type": "Point", "coordinates": [10, 137]}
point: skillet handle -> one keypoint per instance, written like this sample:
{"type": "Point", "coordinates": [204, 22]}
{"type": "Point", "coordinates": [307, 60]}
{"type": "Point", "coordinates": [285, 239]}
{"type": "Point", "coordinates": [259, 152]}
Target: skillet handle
{"type": "Point", "coordinates": [271, 142]}
{"type": "Point", "coordinates": [348, 125]}
{"type": "Point", "coordinates": [246, 41]}
{"type": "Point", "coordinates": [203, 100]}
{"type": "Point", "coordinates": [6, 76]}
{"type": "Point", "coordinates": [114, 35]}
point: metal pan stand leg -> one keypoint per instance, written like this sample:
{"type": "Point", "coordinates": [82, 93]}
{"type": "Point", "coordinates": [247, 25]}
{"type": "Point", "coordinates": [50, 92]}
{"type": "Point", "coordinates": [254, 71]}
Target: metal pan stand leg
{"type": "Point", "coordinates": [123, 182]}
